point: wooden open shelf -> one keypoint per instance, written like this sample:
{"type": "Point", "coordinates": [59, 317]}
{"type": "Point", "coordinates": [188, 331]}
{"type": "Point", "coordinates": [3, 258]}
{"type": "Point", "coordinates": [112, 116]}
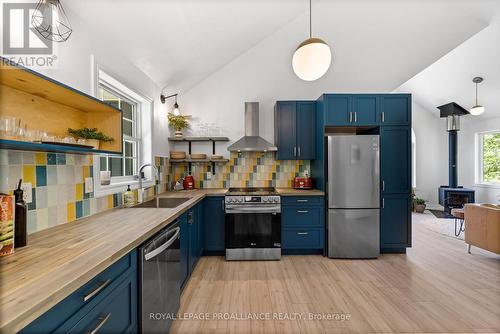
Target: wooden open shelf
{"type": "Point", "coordinates": [48, 105]}
{"type": "Point", "coordinates": [199, 160]}
{"type": "Point", "coordinates": [187, 139]}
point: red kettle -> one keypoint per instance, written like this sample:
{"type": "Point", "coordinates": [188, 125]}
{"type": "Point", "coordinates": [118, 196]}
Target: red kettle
{"type": "Point", "coordinates": [188, 182]}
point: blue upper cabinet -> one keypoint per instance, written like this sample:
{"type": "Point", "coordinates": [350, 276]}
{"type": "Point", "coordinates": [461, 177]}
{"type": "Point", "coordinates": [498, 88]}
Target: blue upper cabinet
{"type": "Point", "coordinates": [395, 109]}
{"type": "Point", "coordinates": [295, 130]}
{"type": "Point", "coordinates": [365, 109]}
{"type": "Point", "coordinates": [395, 159]}
{"type": "Point", "coordinates": [338, 109]}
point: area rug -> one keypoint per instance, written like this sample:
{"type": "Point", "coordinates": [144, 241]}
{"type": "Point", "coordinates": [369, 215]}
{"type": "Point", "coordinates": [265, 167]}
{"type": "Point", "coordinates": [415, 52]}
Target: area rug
{"type": "Point", "coordinates": [438, 213]}
{"type": "Point", "coordinates": [444, 226]}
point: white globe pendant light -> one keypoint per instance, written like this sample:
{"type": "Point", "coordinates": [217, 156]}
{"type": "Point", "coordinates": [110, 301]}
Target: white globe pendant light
{"type": "Point", "coordinates": [312, 58]}
{"type": "Point", "coordinates": [477, 109]}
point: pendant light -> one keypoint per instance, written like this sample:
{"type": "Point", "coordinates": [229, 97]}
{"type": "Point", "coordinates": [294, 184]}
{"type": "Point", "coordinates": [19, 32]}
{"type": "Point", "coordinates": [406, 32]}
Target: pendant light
{"type": "Point", "coordinates": [313, 57]}
{"type": "Point", "coordinates": [477, 109]}
{"type": "Point", "coordinates": [51, 21]}
{"type": "Point", "coordinates": [176, 111]}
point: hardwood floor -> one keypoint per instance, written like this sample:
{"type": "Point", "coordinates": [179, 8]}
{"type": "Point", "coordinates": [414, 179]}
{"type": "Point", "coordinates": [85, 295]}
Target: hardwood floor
{"type": "Point", "coordinates": [435, 288]}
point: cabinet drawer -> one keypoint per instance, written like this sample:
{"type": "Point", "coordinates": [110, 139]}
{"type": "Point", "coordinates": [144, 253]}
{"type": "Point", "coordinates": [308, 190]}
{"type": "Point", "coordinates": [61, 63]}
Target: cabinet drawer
{"type": "Point", "coordinates": [85, 297]}
{"type": "Point", "coordinates": [115, 314]}
{"type": "Point", "coordinates": [302, 238]}
{"type": "Point", "coordinates": [302, 200]}
{"type": "Point", "coordinates": [302, 216]}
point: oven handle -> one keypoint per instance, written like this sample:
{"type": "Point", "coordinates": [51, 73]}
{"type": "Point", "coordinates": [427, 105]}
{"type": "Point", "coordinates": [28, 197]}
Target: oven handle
{"type": "Point", "coordinates": [160, 249]}
{"type": "Point", "coordinates": [253, 210]}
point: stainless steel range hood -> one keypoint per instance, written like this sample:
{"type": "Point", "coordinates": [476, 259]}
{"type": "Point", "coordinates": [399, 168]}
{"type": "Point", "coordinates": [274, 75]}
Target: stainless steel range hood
{"type": "Point", "coordinates": [252, 142]}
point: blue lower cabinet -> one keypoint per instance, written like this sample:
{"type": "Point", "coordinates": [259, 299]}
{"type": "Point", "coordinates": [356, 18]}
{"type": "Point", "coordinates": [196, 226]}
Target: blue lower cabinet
{"type": "Point", "coordinates": [302, 216]}
{"type": "Point", "coordinates": [303, 238]}
{"type": "Point", "coordinates": [213, 213]}
{"type": "Point", "coordinates": [395, 222]}
{"type": "Point", "coordinates": [302, 200]}
{"type": "Point", "coordinates": [184, 248]}
{"type": "Point", "coordinates": [67, 313]}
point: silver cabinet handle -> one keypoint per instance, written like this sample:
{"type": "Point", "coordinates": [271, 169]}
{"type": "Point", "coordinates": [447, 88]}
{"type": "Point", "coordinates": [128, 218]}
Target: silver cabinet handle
{"type": "Point", "coordinates": [302, 211]}
{"type": "Point", "coordinates": [355, 117]}
{"type": "Point", "coordinates": [160, 249]}
{"type": "Point", "coordinates": [302, 233]}
{"type": "Point", "coordinates": [295, 151]}
{"type": "Point", "coordinates": [90, 295]}
{"type": "Point", "coordinates": [383, 117]}
{"type": "Point", "coordinates": [350, 116]}
{"type": "Point", "coordinates": [383, 203]}
{"type": "Point", "coordinates": [299, 151]}
{"type": "Point", "coordinates": [102, 321]}
{"type": "Point", "coordinates": [383, 185]}
{"type": "Point", "coordinates": [302, 200]}
{"type": "Point", "coordinates": [222, 205]}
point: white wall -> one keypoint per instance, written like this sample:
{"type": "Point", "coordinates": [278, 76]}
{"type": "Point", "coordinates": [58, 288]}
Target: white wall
{"type": "Point", "coordinates": [466, 156]}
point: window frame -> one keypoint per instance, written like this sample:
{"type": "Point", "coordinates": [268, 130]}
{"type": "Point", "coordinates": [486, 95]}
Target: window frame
{"type": "Point", "coordinates": [144, 112]}
{"type": "Point", "coordinates": [479, 177]}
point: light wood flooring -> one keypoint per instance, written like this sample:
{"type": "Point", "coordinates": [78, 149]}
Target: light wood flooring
{"type": "Point", "coordinates": [435, 288]}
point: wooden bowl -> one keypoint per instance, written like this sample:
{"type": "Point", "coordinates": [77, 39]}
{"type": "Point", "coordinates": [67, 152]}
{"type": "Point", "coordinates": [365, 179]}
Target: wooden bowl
{"type": "Point", "coordinates": [177, 155]}
{"type": "Point", "coordinates": [198, 156]}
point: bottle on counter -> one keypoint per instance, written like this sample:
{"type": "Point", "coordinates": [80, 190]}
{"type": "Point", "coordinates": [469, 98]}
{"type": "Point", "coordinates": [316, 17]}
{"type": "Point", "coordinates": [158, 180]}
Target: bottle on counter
{"type": "Point", "coordinates": [20, 222]}
{"type": "Point", "coordinates": [128, 198]}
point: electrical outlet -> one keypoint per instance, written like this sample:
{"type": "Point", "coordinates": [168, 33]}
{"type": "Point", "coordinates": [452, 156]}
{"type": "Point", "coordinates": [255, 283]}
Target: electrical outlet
{"type": "Point", "coordinates": [209, 175]}
{"type": "Point", "coordinates": [27, 192]}
{"type": "Point", "coordinates": [89, 185]}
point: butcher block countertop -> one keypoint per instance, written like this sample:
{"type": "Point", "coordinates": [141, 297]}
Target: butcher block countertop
{"type": "Point", "coordinates": [58, 260]}
{"type": "Point", "coordinates": [299, 192]}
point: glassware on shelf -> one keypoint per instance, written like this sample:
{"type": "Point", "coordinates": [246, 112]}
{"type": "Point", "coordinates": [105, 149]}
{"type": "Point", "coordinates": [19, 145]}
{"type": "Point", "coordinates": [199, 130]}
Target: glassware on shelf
{"type": "Point", "coordinates": [8, 127]}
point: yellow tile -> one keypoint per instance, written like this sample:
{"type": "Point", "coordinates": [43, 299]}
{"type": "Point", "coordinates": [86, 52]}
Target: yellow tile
{"type": "Point", "coordinates": [71, 212]}
{"type": "Point", "coordinates": [79, 191]}
{"type": "Point", "coordinates": [29, 175]}
{"type": "Point", "coordinates": [110, 201]}
{"type": "Point", "coordinates": [41, 158]}
{"type": "Point", "coordinates": [86, 172]}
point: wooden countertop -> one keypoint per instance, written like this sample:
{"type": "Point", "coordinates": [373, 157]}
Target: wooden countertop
{"type": "Point", "coordinates": [58, 260]}
{"type": "Point", "coordinates": [299, 192]}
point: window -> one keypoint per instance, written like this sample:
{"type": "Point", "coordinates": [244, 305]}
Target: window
{"type": "Point", "coordinates": [127, 164]}
{"type": "Point", "coordinates": [488, 157]}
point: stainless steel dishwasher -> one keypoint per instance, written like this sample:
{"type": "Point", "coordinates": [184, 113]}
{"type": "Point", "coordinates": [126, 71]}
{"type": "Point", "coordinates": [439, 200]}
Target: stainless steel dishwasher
{"type": "Point", "coordinates": [159, 277]}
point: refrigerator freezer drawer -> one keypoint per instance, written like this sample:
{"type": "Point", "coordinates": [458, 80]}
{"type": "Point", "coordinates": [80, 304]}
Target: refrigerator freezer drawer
{"type": "Point", "coordinates": [354, 234]}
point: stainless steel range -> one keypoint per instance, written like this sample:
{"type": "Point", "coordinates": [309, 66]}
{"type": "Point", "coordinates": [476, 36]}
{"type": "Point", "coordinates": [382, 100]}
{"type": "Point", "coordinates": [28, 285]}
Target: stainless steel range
{"type": "Point", "coordinates": [253, 224]}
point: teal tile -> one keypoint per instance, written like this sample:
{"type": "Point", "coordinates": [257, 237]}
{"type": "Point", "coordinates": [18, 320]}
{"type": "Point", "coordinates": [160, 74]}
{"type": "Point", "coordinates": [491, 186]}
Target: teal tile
{"type": "Point", "coordinates": [41, 176]}
{"type": "Point", "coordinates": [79, 209]}
{"type": "Point", "coordinates": [51, 159]}
{"type": "Point", "coordinates": [61, 158]}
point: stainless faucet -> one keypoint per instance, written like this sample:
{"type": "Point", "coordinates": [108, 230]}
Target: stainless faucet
{"type": "Point", "coordinates": [157, 181]}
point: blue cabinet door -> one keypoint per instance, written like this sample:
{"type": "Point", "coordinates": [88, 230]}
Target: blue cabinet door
{"type": "Point", "coordinates": [338, 109]}
{"type": "Point", "coordinates": [285, 116]}
{"type": "Point", "coordinates": [395, 109]}
{"type": "Point", "coordinates": [306, 122]}
{"type": "Point", "coordinates": [395, 221]}
{"type": "Point", "coordinates": [193, 239]}
{"type": "Point", "coordinates": [213, 212]}
{"type": "Point", "coordinates": [184, 248]}
{"type": "Point", "coordinates": [365, 108]}
{"type": "Point", "coordinates": [200, 225]}
{"type": "Point", "coordinates": [395, 159]}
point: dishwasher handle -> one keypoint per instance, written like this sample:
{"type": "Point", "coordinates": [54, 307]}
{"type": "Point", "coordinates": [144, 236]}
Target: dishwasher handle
{"type": "Point", "coordinates": [160, 249]}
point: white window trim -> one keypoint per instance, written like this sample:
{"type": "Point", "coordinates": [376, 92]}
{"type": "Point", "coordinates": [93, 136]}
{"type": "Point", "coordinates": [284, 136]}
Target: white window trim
{"type": "Point", "coordinates": [478, 162]}
{"type": "Point", "coordinates": [144, 122]}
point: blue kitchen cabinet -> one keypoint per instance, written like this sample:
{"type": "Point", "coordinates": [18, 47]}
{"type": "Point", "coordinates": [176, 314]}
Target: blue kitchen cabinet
{"type": "Point", "coordinates": [365, 109]}
{"type": "Point", "coordinates": [213, 236]}
{"type": "Point", "coordinates": [303, 224]}
{"type": "Point", "coordinates": [295, 130]}
{"type": "Point", "coordinates": [395, 109]}
{"type": "Point", "coordinates": [338, 108]}
{"type": "Point", "coordinates": [184, 248]}
{"type": "Point", "coordinates": [100, 293]}
{"type": "Point", "coordinates": [195, 227]}
{"type": "Point", "coordinates": [395, 227]}
{"type": "Point", "coordinates": [395, 159]}
{"type": "Point", "coordinates": [351, 109]}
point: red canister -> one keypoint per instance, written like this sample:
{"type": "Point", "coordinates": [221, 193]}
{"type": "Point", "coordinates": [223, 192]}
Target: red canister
{"type": "Point", "coordinates": [188, 182]}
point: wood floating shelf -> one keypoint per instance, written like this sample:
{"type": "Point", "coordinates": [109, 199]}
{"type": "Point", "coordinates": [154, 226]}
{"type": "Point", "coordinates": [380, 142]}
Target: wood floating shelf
{"type": "Point", "coordinates": [39, 147]}
{"type": "Point", "coordinates": [199, 160]}
{"type": "Point", "coordinates": [44, 104]}
{"type": "Point", "coordinates": [188, 139]}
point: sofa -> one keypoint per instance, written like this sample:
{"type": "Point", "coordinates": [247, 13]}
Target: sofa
{"type": "Point", "coordinates": [482, 226]}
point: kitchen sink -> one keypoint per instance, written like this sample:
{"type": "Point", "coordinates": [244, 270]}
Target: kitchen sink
{"type": "Point", "coordinates": [163, 203]}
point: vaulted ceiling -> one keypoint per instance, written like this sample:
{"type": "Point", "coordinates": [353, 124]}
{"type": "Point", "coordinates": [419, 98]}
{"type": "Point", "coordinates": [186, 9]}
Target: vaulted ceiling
{"type": "Point", "coordinates": [180, 42]}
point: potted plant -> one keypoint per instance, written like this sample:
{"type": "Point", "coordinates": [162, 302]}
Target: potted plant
{"type": "Point", "coordinates": [419, 205]}
{"type": "Point", "coordinates": [92, 136]}
{"type": "Point", "coordinates": [178, 123]}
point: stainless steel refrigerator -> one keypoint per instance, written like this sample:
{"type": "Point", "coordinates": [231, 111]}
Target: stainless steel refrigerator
{"type": "Point", "coordinates": [353, 196]}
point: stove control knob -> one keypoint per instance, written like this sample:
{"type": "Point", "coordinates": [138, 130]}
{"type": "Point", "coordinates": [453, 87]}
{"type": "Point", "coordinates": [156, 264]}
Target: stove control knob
{"type": "Point", "coordinates": [240, 200]}
{"type": "Point", "coordinates": [276, 199]}
{"type": "Point", "coordinates": [229, 200]}
{"type": "Point", "coordinates": [264, 199]}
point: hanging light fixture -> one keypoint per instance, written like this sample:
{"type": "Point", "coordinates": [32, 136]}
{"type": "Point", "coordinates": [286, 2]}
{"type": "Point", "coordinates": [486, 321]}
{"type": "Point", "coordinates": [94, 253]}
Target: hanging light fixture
{"type": "Point", "coordinates": [313, 57]}
{"type": "Point", "coordinates": [51, 21]}
{"type": "Point", "coordinates": [176, 111]}
{"type": "Point", "coordinates": [477, 109]}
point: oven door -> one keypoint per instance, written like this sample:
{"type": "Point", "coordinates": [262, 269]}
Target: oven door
{"type": "Point", "coordinates": [250, 229]}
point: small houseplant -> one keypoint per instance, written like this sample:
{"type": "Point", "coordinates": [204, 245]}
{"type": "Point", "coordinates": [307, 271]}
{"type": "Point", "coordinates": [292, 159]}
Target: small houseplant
{"type": "Point", "coordinates": [419, 205]}
{"type": "Point", "coordinates": [178, 123]}
{"type": "Point", "coordinates": [91, 135]}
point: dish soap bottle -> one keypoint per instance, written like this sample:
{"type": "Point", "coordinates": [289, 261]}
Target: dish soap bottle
{"type": "Point", "coordinates": [128, 198]}
{"type": "Point", "coordinates": [20, 232]}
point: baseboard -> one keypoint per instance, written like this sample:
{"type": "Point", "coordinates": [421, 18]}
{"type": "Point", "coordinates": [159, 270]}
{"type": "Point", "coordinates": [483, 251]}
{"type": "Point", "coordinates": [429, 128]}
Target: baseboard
{"type": "Point", "coordinates": [301, 252]}
{"type": "Point", "coordinates": [393, 250]}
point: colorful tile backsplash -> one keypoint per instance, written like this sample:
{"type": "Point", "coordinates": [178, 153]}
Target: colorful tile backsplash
{"type": "Point", "coordinates": [246, 169]}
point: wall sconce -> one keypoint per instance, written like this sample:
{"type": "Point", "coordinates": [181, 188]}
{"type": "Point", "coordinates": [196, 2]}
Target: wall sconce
{"type": "Point", "coordinates": [176, 111]}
